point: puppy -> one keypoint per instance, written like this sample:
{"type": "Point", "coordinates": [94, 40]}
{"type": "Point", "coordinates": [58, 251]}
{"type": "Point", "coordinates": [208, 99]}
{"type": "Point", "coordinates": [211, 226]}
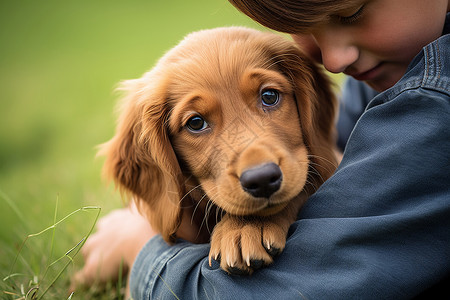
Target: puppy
{"type": "Point", "coordinates": [232, 125]}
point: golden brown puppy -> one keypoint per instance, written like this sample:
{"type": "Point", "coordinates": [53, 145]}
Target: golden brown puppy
{"type": "Point", "coordinates": [234, 125]}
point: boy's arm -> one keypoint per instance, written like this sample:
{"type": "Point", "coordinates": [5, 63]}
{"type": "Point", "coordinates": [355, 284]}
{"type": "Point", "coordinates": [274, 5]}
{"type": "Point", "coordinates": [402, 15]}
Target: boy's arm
{"type": "Point", "coordinates": [378, 228]}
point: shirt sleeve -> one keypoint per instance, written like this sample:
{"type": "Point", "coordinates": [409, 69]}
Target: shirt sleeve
{"type": "Point", "coordinates": [356, 95]}
{"type": "Point", "coordinates": [379, 228]}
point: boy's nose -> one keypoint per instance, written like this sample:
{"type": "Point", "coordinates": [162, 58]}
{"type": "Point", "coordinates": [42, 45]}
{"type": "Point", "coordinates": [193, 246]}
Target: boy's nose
{"type": "Point", "coordinates": [338, 53]}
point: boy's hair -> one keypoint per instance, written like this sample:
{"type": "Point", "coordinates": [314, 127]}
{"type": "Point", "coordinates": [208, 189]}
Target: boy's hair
{"type": "Point", "coordinates": [291, 16]}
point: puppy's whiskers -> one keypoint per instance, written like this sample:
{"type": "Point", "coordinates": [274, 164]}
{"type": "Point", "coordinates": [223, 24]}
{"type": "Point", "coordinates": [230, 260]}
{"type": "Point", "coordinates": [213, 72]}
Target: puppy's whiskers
{"type": "Point", "coordinates": [221, 211]}
{"type": "Point", "coordinates": [312, 180]}
{"type": "Point", "coordinates": [331, 164]}
{"type": "Point", "coordinates": [190, 191]}
{"type": "Point", "coordinates": [208, 207]}
{"type": "Point", "coordinates": [197, 206]}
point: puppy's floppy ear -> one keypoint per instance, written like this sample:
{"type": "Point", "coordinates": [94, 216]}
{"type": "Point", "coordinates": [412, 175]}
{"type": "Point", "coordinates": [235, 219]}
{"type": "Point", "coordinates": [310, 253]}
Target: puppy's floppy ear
{"type": "Point", "coordinates": [140, 157]}
{"type": "Point", "coordinates": [317, 108]}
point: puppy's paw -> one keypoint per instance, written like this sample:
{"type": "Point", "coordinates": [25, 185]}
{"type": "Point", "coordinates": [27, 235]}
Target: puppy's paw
{"type": "Point", "coordinates": [246, 244]}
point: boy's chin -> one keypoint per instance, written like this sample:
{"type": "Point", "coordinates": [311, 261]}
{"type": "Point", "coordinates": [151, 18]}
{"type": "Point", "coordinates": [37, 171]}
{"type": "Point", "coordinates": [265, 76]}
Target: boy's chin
{"type": "Point", "coordinates": [387, 79]}
{"type": "Point", "coordinates": [382, 85]}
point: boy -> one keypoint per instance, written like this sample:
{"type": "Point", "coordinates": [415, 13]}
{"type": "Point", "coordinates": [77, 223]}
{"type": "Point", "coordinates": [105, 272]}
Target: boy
{"type": "Point", "coordinates": [379, 228]}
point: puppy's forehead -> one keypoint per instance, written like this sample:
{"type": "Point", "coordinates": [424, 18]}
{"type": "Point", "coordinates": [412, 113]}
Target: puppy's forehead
{"type": "Point", "coordinates": [217, 59]}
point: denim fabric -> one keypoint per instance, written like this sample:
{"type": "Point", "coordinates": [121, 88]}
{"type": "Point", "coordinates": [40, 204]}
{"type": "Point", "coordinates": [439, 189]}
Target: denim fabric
{"type": "Point", "coordinates": [356, 95]}
{"type": "Point", "coordinates": [379, 228]}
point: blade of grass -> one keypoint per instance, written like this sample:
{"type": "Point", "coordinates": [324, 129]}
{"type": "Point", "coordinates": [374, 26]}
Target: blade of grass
{"type": "Point", "coordinates": [53, 226]}
{"type": "Point", "coordinates": [53, 235]}
{"type": "Point", "coordinates": [76, 248]}
{"type": "Point", "coordinates": [70, 254]}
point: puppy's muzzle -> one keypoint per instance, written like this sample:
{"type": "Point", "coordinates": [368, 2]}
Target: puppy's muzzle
{"type": "Point", "coordinates": [262, 181]}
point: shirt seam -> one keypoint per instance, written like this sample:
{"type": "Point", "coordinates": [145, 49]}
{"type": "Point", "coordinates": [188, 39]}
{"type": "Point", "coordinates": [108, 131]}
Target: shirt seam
{"type": "Point", "coordinates": [427, 80]}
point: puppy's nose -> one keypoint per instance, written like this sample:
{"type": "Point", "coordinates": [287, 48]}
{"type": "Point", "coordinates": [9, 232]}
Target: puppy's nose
{"type": "Point", "coordinates": [262, 181]}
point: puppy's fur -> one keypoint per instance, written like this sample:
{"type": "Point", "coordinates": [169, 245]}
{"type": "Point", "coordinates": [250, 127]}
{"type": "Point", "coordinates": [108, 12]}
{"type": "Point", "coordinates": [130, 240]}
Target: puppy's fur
{"type": "Point", "coordinates": [223, 103]}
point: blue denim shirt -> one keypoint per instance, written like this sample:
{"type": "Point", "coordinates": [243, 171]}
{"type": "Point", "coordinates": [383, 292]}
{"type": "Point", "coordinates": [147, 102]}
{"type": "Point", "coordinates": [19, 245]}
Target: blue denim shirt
{"type": "Point", "coordinates": [379, 228]}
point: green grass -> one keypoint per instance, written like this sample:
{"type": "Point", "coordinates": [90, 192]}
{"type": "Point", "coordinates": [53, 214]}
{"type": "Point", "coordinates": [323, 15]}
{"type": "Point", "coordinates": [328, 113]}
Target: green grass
{"type": "Point", "coordinates": [59, 64]}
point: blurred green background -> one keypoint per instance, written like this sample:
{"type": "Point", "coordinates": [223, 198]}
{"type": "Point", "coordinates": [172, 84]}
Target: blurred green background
{"type": "Point", "coordinates": [59, 64]}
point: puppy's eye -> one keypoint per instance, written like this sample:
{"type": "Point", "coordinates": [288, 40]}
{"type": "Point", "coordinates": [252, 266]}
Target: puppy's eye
{"type": "Point", "coordinates": [270, 97]}
{"type": "Point", "coordinates": [196, 124]}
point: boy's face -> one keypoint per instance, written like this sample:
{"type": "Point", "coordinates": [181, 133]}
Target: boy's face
{"type": "Point", "coordinates": [376, 40]}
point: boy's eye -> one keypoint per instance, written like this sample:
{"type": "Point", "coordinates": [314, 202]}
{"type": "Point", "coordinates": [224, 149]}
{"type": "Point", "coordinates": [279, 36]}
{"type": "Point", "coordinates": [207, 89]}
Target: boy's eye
{"type": "Point", "coordinates": [355, 16]}
{"type": "Point", "coordinates": [196, 124]}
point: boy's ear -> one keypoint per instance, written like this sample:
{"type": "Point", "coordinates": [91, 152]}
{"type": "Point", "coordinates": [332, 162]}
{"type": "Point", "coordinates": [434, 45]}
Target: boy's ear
{"type": "Point", "coordinates": [140, 157]}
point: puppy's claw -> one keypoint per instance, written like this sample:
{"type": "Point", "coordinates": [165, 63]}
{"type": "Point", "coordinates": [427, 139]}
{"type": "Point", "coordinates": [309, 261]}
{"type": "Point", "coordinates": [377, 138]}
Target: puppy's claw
{"type": "Point", "coordinates": [213, 257]}
{"type": "Point", "coordinates": [243, 246]}
{"type": "Point", "coordinates": [230, 263]}
{"type": "Point", "coordinates": [273, 251]}
{"type": "Point", "coordinates": [247, 261]}
{"type": "Point", "coordinates": [209, 261]}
